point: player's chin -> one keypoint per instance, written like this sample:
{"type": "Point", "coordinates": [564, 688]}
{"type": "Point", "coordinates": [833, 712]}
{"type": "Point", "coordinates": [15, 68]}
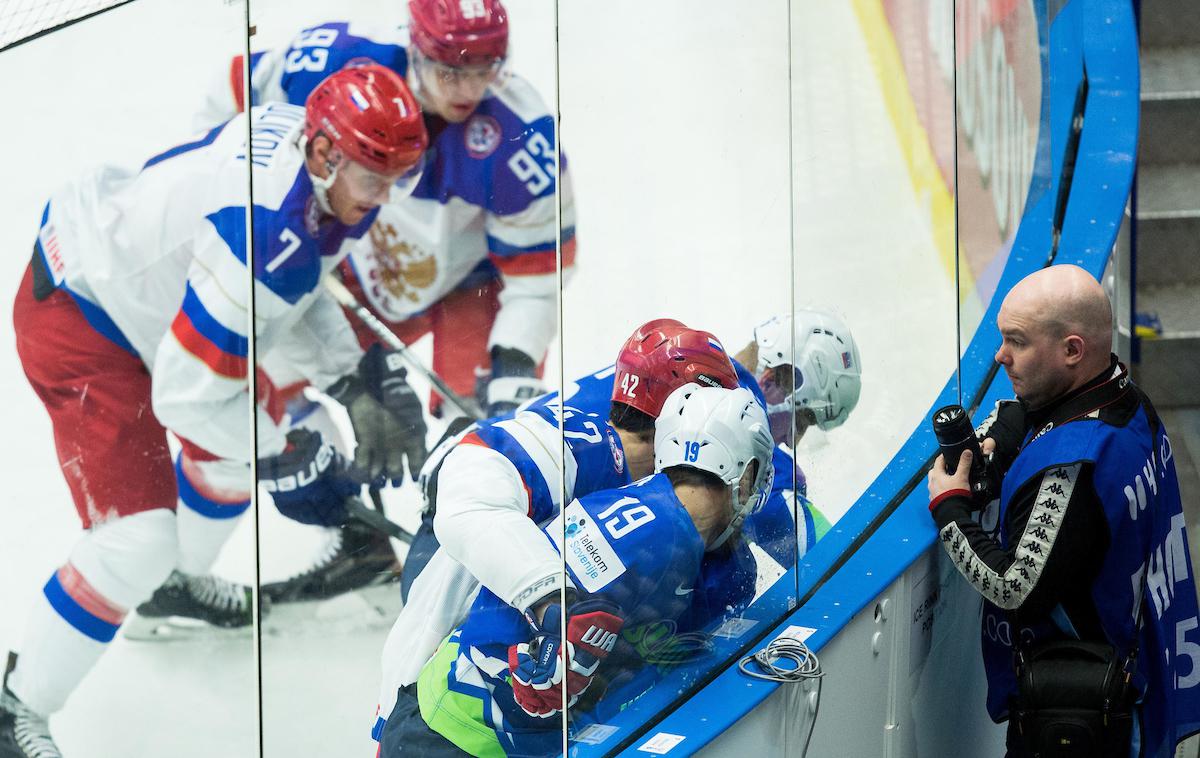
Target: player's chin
{"type": "Point", "coordinates": [357, 213]}
{"type": "Point", "coordinates": [458, 112]}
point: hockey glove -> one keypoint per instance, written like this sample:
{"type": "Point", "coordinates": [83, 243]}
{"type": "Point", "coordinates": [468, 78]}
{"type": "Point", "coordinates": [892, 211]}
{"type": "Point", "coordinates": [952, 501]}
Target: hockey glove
{"type": "Point", "coordinates": [513, 380]}
{"type": "Point", "coordinates": [308, 481]}
{"type": "Point", "coordinates": [539, 667]}
{"type": "Point", "coordinates": [388, 421]}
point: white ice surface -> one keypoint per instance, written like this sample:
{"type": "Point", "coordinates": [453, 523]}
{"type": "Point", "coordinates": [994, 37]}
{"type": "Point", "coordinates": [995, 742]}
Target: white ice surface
{"type": "Point", "coordinates": [675, 119]}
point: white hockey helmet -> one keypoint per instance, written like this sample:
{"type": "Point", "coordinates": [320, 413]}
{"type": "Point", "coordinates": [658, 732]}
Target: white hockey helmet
{"type": "Point", "coordinates": [720, 431]}
{"type": "Point", "coordinates": [826, 370]}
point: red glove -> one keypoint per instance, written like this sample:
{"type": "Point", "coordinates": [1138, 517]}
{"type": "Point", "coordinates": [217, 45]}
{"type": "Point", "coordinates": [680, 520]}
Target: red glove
{"type": "Point", "coordinates": [538, 667]}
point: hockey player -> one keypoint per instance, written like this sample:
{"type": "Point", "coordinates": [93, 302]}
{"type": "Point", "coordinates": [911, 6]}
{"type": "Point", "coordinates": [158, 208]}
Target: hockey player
{"type": "Point", "coordinates": [500, 478]}
{"type": "Point", "coordinates": [470, 257]}
{"type": "Point", "coordinates": [133, 319]}
{"type": "Point", "coordinates": [808, 368]}
{"type": "Point", "coordinates": [825, 379]}
{"type": "Point", "coordinates": [634, 554]}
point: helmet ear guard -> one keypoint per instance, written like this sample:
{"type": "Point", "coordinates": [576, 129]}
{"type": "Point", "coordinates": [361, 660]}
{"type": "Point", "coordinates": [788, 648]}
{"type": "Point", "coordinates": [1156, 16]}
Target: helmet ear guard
{"type": "Point", "coordinates": [827, 376]}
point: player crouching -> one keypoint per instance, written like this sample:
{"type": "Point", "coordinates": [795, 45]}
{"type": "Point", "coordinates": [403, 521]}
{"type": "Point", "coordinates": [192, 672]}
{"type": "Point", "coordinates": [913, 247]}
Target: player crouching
{"type": "Point", "coordinates": [495, 685]}
{"type": "Point", "coordinates": [132, 320]}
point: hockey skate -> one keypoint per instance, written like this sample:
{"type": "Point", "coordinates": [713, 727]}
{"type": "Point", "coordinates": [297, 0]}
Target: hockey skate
{"type": "Point", "coordinates": [356, 576]}
{"type": "Point", "coordinates": [23, 733]}
{"type": "Point", "coordinates": [185, 606]}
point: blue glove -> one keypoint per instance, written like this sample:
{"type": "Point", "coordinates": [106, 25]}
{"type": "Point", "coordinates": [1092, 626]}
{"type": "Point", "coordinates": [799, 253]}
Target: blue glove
{"type": "Point", "coordinates": [308, 481]}
{"type": "Point", "coordinates": [539, 667]}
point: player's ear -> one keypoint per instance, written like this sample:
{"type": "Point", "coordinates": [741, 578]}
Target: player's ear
{"type": "Point", "coordinates": [318, 156]}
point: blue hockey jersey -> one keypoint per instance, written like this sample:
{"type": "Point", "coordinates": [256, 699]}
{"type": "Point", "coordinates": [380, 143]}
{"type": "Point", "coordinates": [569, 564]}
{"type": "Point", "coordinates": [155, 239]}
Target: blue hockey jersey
{"type": "Point", "coordinates": [635, 546]}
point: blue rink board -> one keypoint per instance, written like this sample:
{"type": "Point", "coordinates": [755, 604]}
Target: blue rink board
{"type": "Point", "coordinates": [1100, 34]}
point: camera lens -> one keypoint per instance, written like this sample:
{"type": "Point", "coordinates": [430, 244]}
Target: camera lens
{"type": "Point", "coordinates": [954, 433]}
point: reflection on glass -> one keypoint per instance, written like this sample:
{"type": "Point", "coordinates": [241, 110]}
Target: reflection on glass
{"type": "Point", "coordinates": [1002, 167]}
{"type": "Point", "coordinates": [141, 216]}
{"type": "Point", "coordinates": [690, 217]}
{"type": "Point", "coordinates": [448, 288]}
{"type": "Point", "coordinates": [874, 226]}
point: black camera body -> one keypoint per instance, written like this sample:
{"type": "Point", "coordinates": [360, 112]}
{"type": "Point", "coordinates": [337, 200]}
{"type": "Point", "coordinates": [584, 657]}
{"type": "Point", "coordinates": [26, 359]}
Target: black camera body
{"type": "Point", "coordinates": [952, 427]}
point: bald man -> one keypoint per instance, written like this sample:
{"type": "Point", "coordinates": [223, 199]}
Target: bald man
{"type": "Point", "coordinates": [1089, 500]}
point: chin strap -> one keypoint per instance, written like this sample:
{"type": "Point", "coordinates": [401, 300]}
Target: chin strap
{"type": "Point", "coordinates": [734, 523]}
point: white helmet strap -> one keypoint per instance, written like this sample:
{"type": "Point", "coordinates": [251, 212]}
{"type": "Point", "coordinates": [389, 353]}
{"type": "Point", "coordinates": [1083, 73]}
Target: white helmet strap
{"type": "Point", "coordinates": [321, 186]}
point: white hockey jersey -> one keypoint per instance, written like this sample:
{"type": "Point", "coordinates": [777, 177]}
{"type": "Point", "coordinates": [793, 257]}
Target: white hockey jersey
{"type": "Point", "coordinates": [487, 202]}
{"type": "Point", "coordinates": [156, 258]}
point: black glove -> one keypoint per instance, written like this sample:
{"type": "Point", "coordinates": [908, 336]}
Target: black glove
{"type": "Point", "coordinates": [388, 421]}
{"type": "Point", "coordinates": [309, 481]}
{"type": "Point", "coordinates": [513, 380]}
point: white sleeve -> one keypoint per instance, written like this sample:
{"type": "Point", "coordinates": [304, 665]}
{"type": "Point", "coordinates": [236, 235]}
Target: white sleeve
{"type": "Point", "coordinates": [528, 315]}
{"type": "Point", "coordinates": [199, 385]}
{"type": "Point", "coordinates": [482, 522]}
{"type": "Point", "coordinates": [321, 346]}
{"type": "Point", "coordinates": [224, 98]}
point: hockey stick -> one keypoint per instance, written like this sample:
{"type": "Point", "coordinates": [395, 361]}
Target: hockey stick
{"type": "Point", "coordinates": [357, 510]}
{"type": "Point", "coordinates": [346, 299]}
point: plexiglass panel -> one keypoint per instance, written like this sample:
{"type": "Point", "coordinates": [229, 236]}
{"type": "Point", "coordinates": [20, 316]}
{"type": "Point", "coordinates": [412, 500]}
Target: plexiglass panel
{"type": "Point", "coordinates": [679, 151]}
{"type": "Point", "coordinates": [125, 580]}
{"type": "Point", "coordinates": [1003, 149]}
{"type": "Point", "coordinates": [432, 304]}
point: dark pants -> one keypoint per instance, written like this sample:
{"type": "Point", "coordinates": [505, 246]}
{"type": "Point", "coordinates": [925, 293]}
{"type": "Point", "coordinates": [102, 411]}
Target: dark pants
{"type": "Point", "coordinates": [422, 548]}
{"type": "Point", "coordinates": [407, 734]}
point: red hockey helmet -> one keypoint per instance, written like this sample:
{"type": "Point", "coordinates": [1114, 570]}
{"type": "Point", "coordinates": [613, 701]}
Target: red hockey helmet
{"type": "Point", "coordinates": [460, 32]}
{"type": "Point", "coordinates": [369, 114]}
{"type": "Point", "coordinates": [663, 355]}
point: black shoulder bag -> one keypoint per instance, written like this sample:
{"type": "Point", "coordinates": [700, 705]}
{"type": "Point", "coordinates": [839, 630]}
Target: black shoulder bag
{"type": "Point", "coordinates": [1075, 698]}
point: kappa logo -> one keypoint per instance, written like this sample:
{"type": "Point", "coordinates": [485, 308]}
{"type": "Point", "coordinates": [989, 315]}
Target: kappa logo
{"type": "Point", "coordinates": [481, 136]}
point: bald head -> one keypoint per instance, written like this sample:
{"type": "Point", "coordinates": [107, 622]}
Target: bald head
{"type": "Point", "coordinates": [1061, 320]}
{"type": "Point", "coordinates": [1066, 300]}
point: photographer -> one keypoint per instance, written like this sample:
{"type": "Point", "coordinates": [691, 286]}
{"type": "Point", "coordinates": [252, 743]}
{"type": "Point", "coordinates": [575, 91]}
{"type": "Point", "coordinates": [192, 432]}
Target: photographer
{"type": "Point", "coordinates": [1089, 499]}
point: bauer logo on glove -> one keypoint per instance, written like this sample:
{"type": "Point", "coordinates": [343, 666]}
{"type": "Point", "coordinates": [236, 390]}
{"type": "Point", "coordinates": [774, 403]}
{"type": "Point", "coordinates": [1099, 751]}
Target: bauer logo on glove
{"type": "Point", "coordinates": [309, 481]}
{"type": "Point", "coordinates": [301, 479]}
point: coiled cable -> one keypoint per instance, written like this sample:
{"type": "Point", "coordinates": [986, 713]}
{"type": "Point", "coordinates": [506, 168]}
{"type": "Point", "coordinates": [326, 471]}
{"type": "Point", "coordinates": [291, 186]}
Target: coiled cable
{"type": "Point", "coordinates": [765, 665]}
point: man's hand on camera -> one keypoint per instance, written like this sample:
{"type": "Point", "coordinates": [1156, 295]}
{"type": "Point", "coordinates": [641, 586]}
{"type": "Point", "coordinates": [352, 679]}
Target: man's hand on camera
{"type": "Point", "coordinates": [943, 485]}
